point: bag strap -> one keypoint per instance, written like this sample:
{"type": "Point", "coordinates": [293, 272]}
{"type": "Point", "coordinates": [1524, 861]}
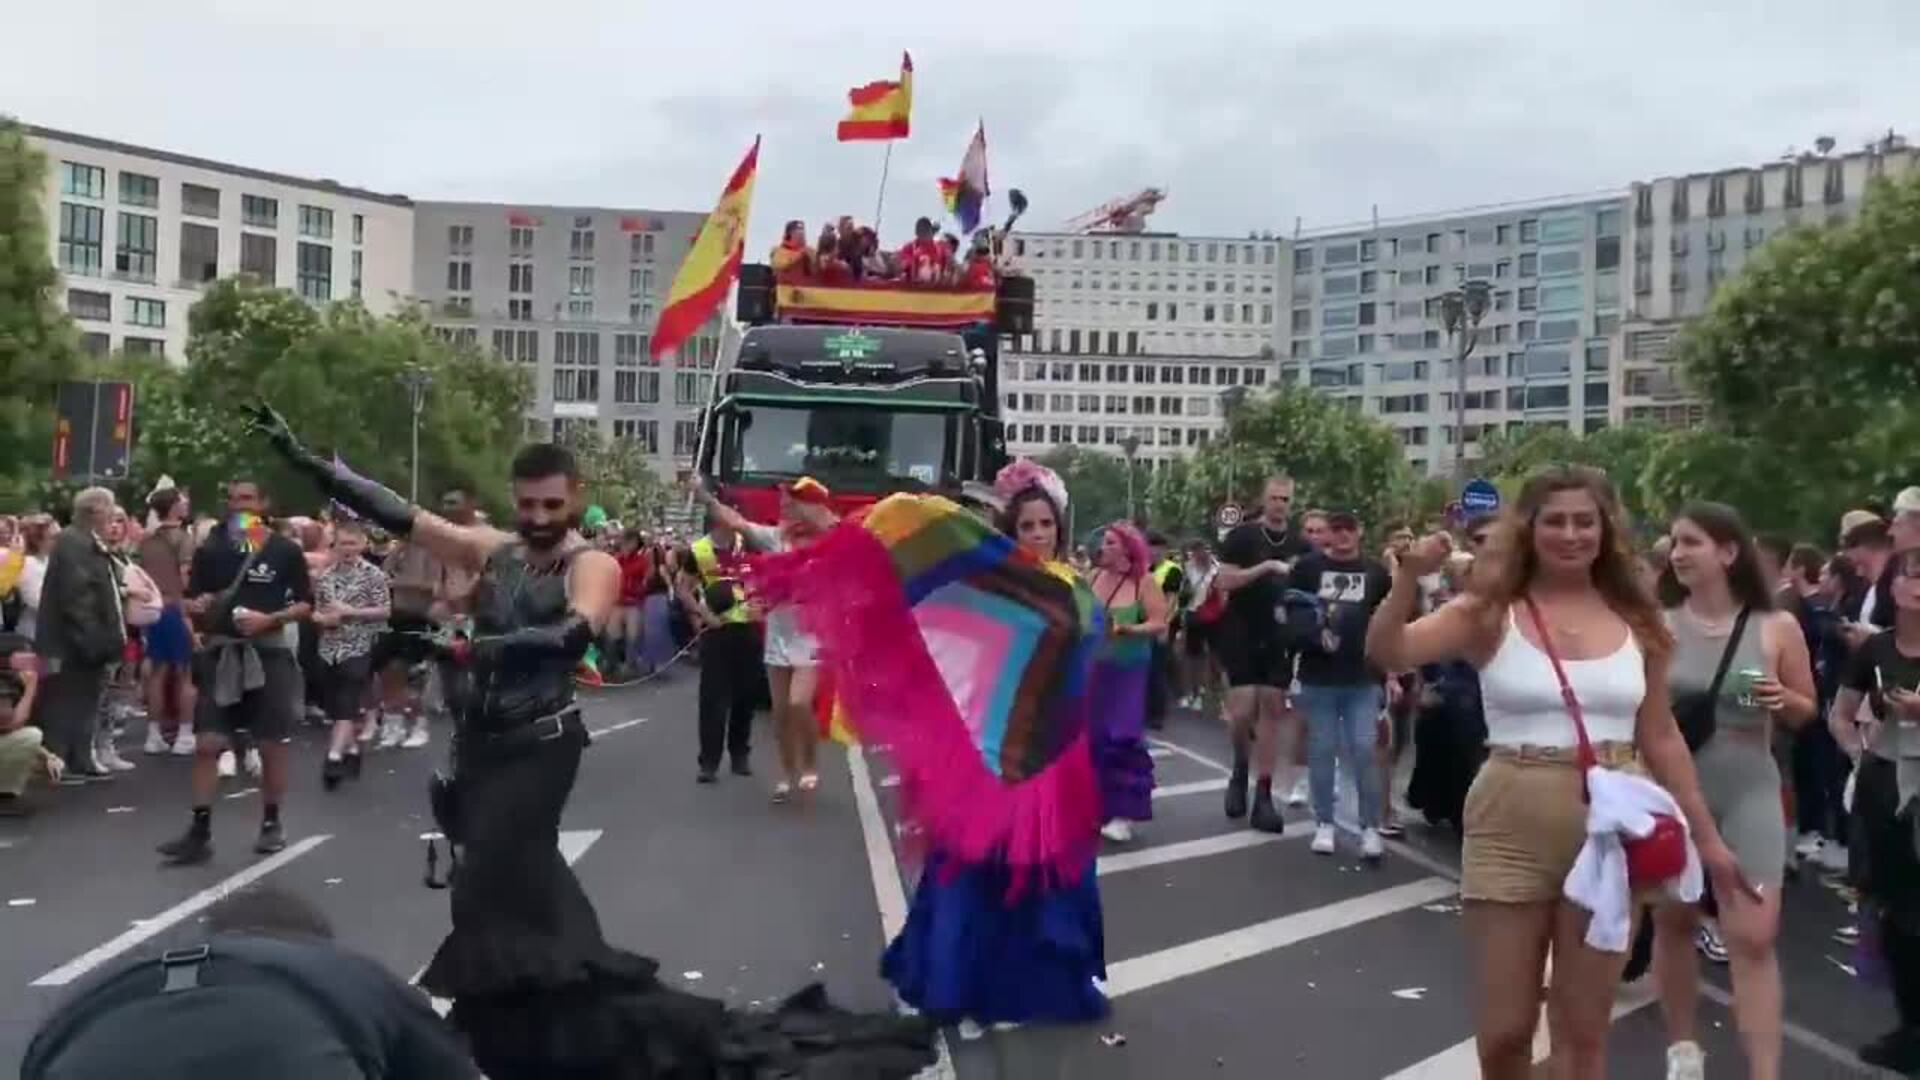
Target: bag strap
{"type": "Point", "coordinates": [1726, 655]}
{"type": "Point", "coordinates": [1587, 758]}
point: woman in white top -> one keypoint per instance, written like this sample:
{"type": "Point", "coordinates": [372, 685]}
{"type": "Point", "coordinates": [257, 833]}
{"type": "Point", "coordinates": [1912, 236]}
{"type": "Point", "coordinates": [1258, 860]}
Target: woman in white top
{"type": "Point", "coordinates": [36, 540]}
{"type": "Point", "coordinates": [1561, 546]}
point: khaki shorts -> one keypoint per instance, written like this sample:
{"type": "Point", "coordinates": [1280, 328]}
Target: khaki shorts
{"type": "Point", "coordinates": [1525, 821]}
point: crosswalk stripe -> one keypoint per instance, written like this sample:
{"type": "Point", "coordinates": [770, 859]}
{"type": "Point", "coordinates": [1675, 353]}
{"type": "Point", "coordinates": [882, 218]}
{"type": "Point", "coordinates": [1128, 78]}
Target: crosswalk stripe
{"type": "Point", "coordinates": [1193, 787]}
{"type": "Point", "coordinates": [1160, 854]}
{"type": "Point", "coordinates": [1205, 954]}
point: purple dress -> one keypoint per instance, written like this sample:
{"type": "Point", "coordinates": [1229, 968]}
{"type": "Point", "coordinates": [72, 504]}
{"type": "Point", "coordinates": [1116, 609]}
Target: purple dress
{"type": "Point", "coordinates": [1119, 717]}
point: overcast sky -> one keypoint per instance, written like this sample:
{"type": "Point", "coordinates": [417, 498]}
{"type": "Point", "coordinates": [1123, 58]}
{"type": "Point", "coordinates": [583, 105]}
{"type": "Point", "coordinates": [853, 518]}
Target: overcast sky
{"type": "Point", "coordinates": [1252, 114]}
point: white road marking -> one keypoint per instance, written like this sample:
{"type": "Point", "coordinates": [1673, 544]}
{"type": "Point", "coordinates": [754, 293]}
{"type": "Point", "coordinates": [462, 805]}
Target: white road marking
{"type": "Point", "coordinates": [1159, 751]}
{"type": "Point", "coordinates": [621, 726]}
{"type": "Point", "coordinates": [1461, 1061]}
{"type": "Point", "coordinates": [573, 844]}
{"type": "Point", "coordinates": [1193, 787]}
{"type": "Point", "coordinates": [242, 793]}
{"type": "Point", "coordinates": [22, 901]}
{"type": "Point", "coordinates": [888, 894]}
{"type": "Point", "coordinates": [1205, 954]}
{"type": "Point", "coordinates": [192, 905]}
{"type": "Point", "coordinates": [1160, 854]}
{"type": "Point", "coordinates": [1190, 755]}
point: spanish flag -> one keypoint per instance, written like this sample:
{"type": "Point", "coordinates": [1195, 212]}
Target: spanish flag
{"type": "Point", "coordinates": [712, 263]}
{"type": "Point", "coordinates": [881, 110]}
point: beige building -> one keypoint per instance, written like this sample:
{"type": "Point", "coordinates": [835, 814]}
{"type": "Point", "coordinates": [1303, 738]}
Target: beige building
{"type": "Point", "coordinates": [138, 233]}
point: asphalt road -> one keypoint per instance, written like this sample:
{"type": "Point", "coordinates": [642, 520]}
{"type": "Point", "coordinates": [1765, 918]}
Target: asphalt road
{"type": "Point", "coordinates": [1230, 954]}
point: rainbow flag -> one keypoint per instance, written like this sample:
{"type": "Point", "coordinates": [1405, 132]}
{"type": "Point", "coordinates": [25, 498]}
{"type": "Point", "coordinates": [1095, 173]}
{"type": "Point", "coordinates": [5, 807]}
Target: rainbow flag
{"type": "Point", "coordinates": [971, 661]}
{"type": "Point", "coordinates": [966, 194]}
{"type": "Point", "coordinates": [249, 531]}
{"type": "Point", "coordinates": [882, 109]}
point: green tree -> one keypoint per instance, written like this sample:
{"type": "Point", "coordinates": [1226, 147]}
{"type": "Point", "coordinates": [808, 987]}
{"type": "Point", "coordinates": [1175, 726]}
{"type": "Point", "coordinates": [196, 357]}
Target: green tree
{"type": "Point", "coordinates": [337, 374]}
{"type": "Point", "coordinates": [1096, 485]}
{"type": "Point", "coordinates": [1810, 362]}
{"type": "Point", "coordinates": [38, 344]}
{"type": "Point", "coordinates": [1623, 453]}
{"type": "Point", "coordinates": [617, 477]}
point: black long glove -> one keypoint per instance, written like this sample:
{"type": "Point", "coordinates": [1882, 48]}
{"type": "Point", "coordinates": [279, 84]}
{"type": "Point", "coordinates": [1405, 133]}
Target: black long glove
{"type": "Point", "coordinates": [365, 497]}
{"type": "Point", "coordinates": [568, 637]}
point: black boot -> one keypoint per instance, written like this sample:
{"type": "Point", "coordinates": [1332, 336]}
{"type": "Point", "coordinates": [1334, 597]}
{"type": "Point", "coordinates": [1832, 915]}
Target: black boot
{"type": "Point", "coordinates": [331, 773]}
{"type": "Point", "coordinates": [191, 848]}
{"type": "Point", "coordinates": [272, 840]}
{"type": "Point", "coordinates": [1896, 1051]}
{"type": "Point", "coordinates": [1237, 786]}
{"type": "Point", "coordinates": [1265, 817]}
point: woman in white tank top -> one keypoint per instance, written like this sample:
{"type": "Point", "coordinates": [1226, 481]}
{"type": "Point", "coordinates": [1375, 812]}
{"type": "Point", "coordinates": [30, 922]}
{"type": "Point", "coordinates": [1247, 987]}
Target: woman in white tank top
{"type": "Point", "coordinates": [1562, 547]}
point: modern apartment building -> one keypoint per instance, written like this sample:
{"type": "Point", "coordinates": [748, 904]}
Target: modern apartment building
{"type": "Point", "coordinates": [1137, 336]}
{"type": "Point", "coordinates": [574, 294]}
{"type": "Point", "coordinates": [138, 233]}
{"type": "Point", "coordinates": [1687, 234]}
{"type": "Point", "coordinates": [1364, 322]}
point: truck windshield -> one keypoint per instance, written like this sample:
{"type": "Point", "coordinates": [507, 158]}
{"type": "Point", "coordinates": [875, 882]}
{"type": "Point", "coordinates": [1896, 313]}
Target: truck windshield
{"type": "Point", "coordinates": [852, 447]}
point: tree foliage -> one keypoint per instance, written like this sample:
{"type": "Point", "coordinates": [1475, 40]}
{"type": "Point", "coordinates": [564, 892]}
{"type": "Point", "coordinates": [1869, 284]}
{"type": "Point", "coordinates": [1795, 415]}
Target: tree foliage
{"type": "Point", "coordinates": [337, 374]}
{"type": "Point", "coordinates": [38, 344]}
{"type": "Point", "coordinates": [617, 477]}
{"type": "Point", "coordinates": [1096, 485]}
{"type": "Point", "coordinates": [1623, 453]}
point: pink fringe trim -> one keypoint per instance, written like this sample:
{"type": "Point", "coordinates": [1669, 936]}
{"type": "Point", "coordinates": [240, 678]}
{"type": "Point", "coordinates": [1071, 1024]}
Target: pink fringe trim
{"type": "Point", "coordinates": [849, 595]}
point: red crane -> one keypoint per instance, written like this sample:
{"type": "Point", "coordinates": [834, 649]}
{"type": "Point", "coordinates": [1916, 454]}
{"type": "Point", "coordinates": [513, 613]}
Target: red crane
{"type": "Point", "coordinates": [1123, 215]}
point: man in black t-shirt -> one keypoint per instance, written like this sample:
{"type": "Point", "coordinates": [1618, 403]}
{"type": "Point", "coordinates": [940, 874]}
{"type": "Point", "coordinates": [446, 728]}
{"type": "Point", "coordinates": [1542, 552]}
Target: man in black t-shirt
{"type": "Point", "coordinates": [1256, 558]}
{"type": "Point", "coordinates": [1333, 595]}
{"type": "Point", "coordinates": [247, 586]}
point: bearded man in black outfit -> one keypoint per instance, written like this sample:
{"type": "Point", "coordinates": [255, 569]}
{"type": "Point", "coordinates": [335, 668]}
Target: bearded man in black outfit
{"type": "Point", "coordinates": [535, 988]}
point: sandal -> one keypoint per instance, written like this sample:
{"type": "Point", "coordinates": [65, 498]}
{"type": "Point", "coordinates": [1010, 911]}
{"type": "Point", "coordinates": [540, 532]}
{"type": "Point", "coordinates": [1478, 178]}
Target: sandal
{"type": "Point", "coordinates": [810, 782]}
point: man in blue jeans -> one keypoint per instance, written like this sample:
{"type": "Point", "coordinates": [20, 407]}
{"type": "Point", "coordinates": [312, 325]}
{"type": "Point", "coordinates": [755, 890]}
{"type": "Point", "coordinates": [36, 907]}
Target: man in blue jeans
{"type": "Point", "coordinates": [1331, 596]}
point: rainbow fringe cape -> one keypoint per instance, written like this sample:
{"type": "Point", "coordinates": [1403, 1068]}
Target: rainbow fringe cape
{"type": "Point", "coordinates": [968, 660]}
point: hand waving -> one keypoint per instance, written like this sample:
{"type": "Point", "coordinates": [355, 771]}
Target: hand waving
{"type": "Point", "coordinates": [262, 419]}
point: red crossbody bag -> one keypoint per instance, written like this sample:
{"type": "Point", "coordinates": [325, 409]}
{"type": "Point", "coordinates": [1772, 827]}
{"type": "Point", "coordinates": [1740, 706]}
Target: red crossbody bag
{"type": "Point", "coordinates": [1653, 859]}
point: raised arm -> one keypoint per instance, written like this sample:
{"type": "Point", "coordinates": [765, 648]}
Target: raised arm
{"type": "Point", "coordinates": [1458, 629]}
{"type": "Point", "coordinates": [462, 545]}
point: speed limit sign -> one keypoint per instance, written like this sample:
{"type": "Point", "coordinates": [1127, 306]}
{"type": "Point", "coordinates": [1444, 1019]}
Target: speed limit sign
{"type": "Point", "coordinates": [1228, 516]}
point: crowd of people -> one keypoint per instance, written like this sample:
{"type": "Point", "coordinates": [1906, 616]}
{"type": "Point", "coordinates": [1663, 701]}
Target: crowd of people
{"type": "Point", "coordinates": [1544, 670]}
{"type": "Point", "coordinates": [848, 254]}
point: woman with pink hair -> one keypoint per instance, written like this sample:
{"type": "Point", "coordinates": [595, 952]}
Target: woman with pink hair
{"type": "Point", "coordinates": [1136, 617]}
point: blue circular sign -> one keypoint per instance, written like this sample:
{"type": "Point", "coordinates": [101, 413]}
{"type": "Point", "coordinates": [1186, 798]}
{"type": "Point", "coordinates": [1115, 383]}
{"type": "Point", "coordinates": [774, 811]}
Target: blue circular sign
{"type": "Point", "coordinates": [1480, 497]}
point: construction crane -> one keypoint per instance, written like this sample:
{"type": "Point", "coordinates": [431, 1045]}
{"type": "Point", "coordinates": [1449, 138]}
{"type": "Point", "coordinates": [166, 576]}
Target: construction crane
{"type": "Point", "coordinates": [1125, 215]}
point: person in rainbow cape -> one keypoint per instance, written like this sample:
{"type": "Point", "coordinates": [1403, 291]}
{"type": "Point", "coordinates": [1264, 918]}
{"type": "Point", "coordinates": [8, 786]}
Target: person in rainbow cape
{"type": "Point", "coordinates": [966, 651]}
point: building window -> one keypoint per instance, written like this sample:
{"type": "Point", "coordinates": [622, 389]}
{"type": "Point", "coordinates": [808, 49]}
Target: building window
{"type": "Point", "coordinates": [259, 211]}
{"type": "Point", "coordinates": [83, 181]}
{"type": "Point", "coordinates": [97, 345]}
{"type": "Point", "coordinates": [686, 437]}
{"type": "Point", "coordinates": [92, 306]}
{"type": "Point", "coordinates": [259, 257]}
{"type": "Point", "coordinates": [580, 243]}
{"type": "Point", "coordinates": [580, 281]}
{"type": "Point", "coordinates": [459, 239]}
{"type": "Point", "coordinates": [142, 346]}
{"type": "Point", "coordinates": [1834, 188]}
{"type": "Point", "coordinates": [359, 228]}
{"type": "Point", "coordinates": [520, 240]}
{"type": "Point", "coordinates": [1529, 265]}
{"type": "Point", "coordinates": [144, 312]}
{"type": "Point", "coordinates": [354, 262]}
{"type": "Point", "coordinates": [519, 310]}
{"type": "Point", "coordinates": [580, 310]}
{"type": "Point", "coordinates": [460, 276]}
{"type": "Point", "coordinates": [81, 238]}
{"type": "Point", "coordinates": [632, 385]}
{"type": "Point", "coordinates": [571, 385]}
{"type": "Point", "coordinates": [315, 271]}
{"type": "Point", "coordinates": [316, 222]}
{"type": "Point", "coordinates": [517, 346]}
{"type": "Point", "coordinates": [136, 255]}
{"type": "Point", "coordinates": [139, 190]}
{"type": "Point", "coordinates": [199, 253]}
{"type": "Point", "coordinates": [198, 201]}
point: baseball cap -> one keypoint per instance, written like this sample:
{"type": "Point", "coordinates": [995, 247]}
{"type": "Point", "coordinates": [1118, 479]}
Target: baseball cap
{"type": "Point", "coordinates": [808, 490]}
{"type": "Point", "coordinates": [1342, 519]}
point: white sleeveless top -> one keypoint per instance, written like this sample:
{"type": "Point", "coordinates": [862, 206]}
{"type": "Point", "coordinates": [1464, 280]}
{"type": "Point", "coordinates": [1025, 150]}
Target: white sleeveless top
{"type": "Point", "coordinates": [1522, 698]}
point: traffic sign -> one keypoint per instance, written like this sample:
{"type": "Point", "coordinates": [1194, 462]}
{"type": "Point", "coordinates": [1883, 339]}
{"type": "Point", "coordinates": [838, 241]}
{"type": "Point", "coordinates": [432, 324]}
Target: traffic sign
{"type": "Point", "coordinates": [1228, 515]}
{"type": "Point", "coordinates": [1480, 497]}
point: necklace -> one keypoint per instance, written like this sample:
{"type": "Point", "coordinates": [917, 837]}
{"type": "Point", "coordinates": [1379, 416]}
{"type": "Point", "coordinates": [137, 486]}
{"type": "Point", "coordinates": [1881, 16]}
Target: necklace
{"type": "Point", "coordinates": [1719, 627]}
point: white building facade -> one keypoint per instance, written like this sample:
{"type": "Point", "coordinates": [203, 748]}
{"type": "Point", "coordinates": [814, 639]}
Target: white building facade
{"type": "Point", "coordinates": [1137, 336]}
{"type": "Point", "coordinates": [138, 233]}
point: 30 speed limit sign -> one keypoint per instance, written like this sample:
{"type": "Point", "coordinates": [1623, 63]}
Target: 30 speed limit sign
{"type": "Point", "coordinates": [1228, 516]}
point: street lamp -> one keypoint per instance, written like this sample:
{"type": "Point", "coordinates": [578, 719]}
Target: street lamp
{"type": "Point", "coordinates": [1230, 401]}
{"type": "Point", "coordinates": [1130, 446]}
{"type": "Point", "coordinates": [1460, 312]}
{"type": "Point", "coordinates": [417, 380]}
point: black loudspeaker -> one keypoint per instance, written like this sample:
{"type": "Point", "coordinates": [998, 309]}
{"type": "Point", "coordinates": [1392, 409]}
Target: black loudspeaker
{"type": "Point", "coordinates": [1013, 307]}
{"type": "Point", "coordinates": [754, 305]}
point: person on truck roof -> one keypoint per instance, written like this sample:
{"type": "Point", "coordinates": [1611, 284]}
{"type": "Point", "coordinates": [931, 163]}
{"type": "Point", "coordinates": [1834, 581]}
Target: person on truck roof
{"type": "Point", "coordinates": [792, 258]}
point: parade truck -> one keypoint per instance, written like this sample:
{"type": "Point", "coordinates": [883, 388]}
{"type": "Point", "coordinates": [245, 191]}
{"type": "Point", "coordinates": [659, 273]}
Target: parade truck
{"type": "Point", "coordinates": [872, 388]}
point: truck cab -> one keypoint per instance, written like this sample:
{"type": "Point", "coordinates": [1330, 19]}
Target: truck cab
{"type": "Point", "coordinates": [870, 388]}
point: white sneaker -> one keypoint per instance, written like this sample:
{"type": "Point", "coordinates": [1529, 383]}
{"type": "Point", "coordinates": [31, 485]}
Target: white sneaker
{"type": "Point", "coordinates": [183, 743]}
{"type": "Point", "coordinates": [1371, 846]}
{"type": "Point", "coordinates": [416, 738]}
{"type": "Point", "coordinates": [109, 758]}
{"type": "Point", "coordinates": [1118, 830]}
{"type": "Point", "coordinates": [1809, 846]}
{"type": "Point", "coordinates": [156, 742]}
{"type": "Point", "coordinates": [1323, 840]}
{"type": "Point", "coordinates": [391, 734]}
{"type": "Point", "coordinates": [252, 762]}
{"type": "Point", "coordinates": [1833, 857]}
{"type": "Point", "coordinates": [1686, 1061]}
{"type": "Point", "coordinates": [1299, 795]}
{"type": "Point", "coordinates": [229, 765]}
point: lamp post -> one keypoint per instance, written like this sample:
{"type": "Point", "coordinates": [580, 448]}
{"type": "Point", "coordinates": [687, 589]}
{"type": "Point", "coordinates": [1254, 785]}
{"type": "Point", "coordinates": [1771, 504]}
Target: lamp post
{"type": "Point", "coordinates": [1460, 312]}
{"type": "Point", "coordinates": [417, 380]}
{"type": "Point", "coordinates": [1130, 446]}
{"type": "Point", "coordinates": [1230, 401]}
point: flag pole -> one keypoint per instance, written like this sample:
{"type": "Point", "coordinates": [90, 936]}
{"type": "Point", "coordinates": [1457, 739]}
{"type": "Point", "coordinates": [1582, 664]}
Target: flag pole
{"type": "Point", "coordinates": [880, 203]}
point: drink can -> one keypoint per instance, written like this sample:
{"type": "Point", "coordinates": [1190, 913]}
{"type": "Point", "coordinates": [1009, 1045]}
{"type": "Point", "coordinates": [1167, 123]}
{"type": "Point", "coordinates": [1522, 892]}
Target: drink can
{"type": "Point", "coordinates": [1744, 687]}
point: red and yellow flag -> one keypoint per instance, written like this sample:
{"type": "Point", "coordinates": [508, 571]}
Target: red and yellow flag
{"type": "Point", "coordinates": [712, 263]}
{"type": "Point", "coordinates": [881, 110]}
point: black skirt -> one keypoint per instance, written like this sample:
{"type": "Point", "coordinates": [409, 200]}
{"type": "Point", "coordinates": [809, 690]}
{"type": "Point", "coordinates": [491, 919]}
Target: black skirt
{"type": "Point", "coordinates": [539, 992]}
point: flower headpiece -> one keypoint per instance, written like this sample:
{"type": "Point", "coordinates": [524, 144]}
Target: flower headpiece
{"type": "Point", "coordinates": [1025, 473]}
